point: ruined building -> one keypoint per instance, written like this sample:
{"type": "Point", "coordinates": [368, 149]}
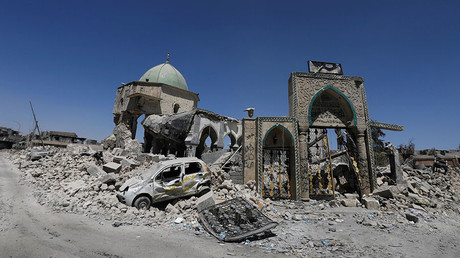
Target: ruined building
{"type": "Point", "coordinates": [288, 157]}
{"type": "Point", "coordinates": [9, 137]}
{"type": "Point", "coordinates": [161, 90]}
{"type": "Point", "coordinates": [56, 138]}
{"type": "Point", "coordinates": [173, 124]}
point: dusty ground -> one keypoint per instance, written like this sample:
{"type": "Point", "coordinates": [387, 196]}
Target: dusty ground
{"type": "Point", "coordinates": [306, 229]}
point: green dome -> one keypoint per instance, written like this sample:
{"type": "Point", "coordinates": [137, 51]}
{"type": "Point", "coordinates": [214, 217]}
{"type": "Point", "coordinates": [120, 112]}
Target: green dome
{"type": "Point", "coordinates": [167, 74]}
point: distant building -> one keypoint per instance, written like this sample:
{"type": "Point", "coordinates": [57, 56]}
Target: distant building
{"type": "Point", "coordinates": [58, 139]}
{"type": "Point", "coordinates": [8, 137]}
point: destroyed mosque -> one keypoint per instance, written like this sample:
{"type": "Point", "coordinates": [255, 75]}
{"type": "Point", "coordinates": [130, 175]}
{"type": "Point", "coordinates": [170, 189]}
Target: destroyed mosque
{"type": "Point", "coordinates": [288, 157]}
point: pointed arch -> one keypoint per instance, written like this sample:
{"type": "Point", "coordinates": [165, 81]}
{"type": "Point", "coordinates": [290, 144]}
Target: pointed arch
{"type": "Point", "coordinates": [282, 128]}
{"type": "Point", "coordinates": [335, 92]}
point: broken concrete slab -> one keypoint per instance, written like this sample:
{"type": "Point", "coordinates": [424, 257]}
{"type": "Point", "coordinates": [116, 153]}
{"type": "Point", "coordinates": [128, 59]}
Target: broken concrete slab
{"type": "Point", "coordinates": [112, 167]}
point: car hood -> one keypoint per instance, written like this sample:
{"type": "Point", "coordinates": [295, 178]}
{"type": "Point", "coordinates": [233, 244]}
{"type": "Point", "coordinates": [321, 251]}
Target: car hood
{"type": "Point", "coordinates": [130, 182]}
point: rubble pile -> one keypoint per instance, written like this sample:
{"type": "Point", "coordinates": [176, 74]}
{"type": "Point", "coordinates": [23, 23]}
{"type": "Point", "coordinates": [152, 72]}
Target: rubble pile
{"type": "Point", "coordinates": [71, 180]}
{"type": "Point", "coordinates": [80, 180]}
{"type": "Point", "coordinates": [424, 190]}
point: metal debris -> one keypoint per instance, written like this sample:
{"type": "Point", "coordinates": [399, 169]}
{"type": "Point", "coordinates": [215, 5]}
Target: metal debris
{"type": "Point", "coordinates": [235, 220]}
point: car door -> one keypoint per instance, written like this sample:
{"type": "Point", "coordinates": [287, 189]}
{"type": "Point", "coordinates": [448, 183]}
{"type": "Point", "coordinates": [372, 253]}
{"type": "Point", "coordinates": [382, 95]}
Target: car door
{"type": "Point", "coordinates": [169, 182]}
{"type": "Point", "coordinates": [193, 175]}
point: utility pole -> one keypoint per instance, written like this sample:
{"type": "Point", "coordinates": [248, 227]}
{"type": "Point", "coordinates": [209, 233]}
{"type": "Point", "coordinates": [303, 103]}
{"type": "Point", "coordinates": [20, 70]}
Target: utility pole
{"type": "Point", "coordinates": [36, 125]}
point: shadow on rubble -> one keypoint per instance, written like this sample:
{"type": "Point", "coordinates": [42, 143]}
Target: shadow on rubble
{"type": "Point", "coordinates": [162, 205]}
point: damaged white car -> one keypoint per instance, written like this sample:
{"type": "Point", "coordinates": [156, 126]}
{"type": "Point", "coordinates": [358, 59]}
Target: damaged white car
{"type": "Point", "coordinates": [165, 181]}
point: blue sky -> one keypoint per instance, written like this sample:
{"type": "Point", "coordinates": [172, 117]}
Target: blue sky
{"type": "Point", "coordinates": [68, 58]}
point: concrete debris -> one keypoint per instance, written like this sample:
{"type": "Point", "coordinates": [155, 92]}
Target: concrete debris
{"type": "Point", "coordinates": [94, 170]}
{"type": "Point", "coordinates": [109, 178]}
{"type": "Point", "coordinates": [122, 138]}
{"type": "Point", "coordinates": [112, 167]}
{"type": "Point", "coordinates": [36, 154]}
{"type": "Point", "coordinates": [371, 203]}
{"type": "Point", "coordinates": [205, 201]}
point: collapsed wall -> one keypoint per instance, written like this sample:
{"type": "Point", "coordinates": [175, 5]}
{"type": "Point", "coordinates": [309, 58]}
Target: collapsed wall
{"type": "Point", "coordinates": [184, 134]}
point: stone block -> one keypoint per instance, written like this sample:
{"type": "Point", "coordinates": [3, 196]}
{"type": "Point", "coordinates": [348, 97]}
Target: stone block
{"type": "Point", "coordinates": [112, 167]}
{"type": "Point", "coordinates": [94, 170]}
{"type": "Point", "coordinates": [371, 203]}
{"type": "Point", "coordinates": [108, 179]}
{"type": "Point", "coordinates": [349, 202]}
{"type": "Point", "coordinates": [206, 201]}
{"type": "Point", "coordinates": [386, 192]}
{"type": "Point", "coordinates": [351, 196]}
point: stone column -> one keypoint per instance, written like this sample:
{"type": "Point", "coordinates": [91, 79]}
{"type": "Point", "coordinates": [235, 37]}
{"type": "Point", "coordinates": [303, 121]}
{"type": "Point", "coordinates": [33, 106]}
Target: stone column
{"type": "Point", "coordinates": [249, 149]}
{"type": "Point", "coordinates": [303, 154]}
{"type": "Point", "coordinates": [395, 164]}
{"type": "Point", "coordinates": [362, 161]}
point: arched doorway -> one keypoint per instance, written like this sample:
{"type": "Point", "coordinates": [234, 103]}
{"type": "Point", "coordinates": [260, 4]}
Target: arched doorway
{"type": "Point", "coordinates": [229, 142]}
{"type": "Point", "coordinates": [278, 164]}
{"type": "Point", "coordinates": [208, 140]}
{"type": "Point", "coordinates": [328, 109]}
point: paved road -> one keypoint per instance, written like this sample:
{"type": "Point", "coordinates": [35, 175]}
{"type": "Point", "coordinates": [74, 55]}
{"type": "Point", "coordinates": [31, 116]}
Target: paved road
{"type": "Point", "coordinates": [28, 229]}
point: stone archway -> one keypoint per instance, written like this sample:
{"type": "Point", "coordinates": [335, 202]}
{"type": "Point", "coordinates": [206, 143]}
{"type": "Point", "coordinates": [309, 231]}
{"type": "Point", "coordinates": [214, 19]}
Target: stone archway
{"type": "Point", "coordinates": [278, 164]}
{"type": "Point", "coordinates": [232, 144]}
{"type": "Point", "coordinates": [210, 132]}
{"type": "Point", "coordinates": [330, 108]}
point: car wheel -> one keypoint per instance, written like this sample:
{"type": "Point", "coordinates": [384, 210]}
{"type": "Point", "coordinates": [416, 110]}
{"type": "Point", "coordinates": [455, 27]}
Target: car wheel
{"type": "Point", "coordinates": [143, 203]}
{"type": "Point", "coordinates": [203, 190]}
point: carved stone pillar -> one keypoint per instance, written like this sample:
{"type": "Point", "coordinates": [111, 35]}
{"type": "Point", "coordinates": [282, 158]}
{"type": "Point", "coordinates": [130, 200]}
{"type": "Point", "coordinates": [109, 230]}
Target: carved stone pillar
{"type": "Point", "coordinates": [250, 150]}
{"type": "Point", "coordinates": [362, 161]}
{"type": "Point", "coordinates": [303, 153]}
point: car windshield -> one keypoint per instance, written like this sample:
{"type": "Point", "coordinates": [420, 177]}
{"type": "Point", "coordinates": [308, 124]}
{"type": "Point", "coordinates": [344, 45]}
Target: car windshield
{"type": "Point", "coordinates": [150, 172]}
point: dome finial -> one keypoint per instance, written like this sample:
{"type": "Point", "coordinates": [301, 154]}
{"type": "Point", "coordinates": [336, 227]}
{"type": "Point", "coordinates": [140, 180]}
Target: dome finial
{"type": "Point", "coordinates": [167, 59]}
